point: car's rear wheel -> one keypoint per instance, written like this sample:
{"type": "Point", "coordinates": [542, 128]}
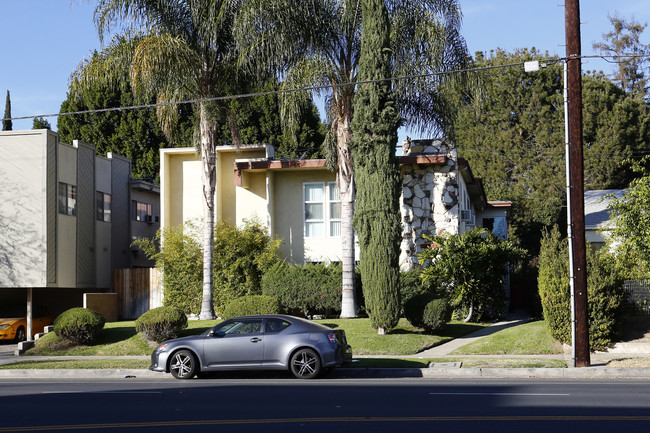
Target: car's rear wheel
{"type": "Point", "coordinates": [183, 365]}
{"type": "Point", "coordinates": [305, 364]}
{"type": "Point", "coordinates": [20, 335]}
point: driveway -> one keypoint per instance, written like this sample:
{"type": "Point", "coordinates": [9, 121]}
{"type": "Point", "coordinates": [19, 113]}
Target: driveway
{"type": "Point", "coordinates": [7, 350]}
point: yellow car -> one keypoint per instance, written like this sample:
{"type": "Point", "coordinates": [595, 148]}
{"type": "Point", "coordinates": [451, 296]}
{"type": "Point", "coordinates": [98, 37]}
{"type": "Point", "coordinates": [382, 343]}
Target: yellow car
{"type": "Point", "coordinates": [16, 328]}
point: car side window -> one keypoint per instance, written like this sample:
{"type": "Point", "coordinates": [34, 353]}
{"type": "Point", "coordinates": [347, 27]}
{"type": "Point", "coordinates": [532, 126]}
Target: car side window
{"type": "Point", "coordinates": [240, 327]}
{"type": "Point", "coordinates": [275, 325]}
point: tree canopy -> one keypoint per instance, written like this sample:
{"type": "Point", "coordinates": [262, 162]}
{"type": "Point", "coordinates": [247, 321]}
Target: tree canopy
{"type": "Point", "coordinates": [511, 129]}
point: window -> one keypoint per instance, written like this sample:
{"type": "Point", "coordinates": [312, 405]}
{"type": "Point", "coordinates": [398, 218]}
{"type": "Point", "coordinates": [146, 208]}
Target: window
{"type": "Point", "coordinates": [275, 325]}
{"type": "Point", "coordinates": [322, 210]}
{"type": "Point", "coordinates": [103, 206]}
{"type": "Point", "coordinates": [67, 199]}
{"type": "Point", "coordinates": [240, 327]}
{"type": "Point", "coordinates": [141, 211]}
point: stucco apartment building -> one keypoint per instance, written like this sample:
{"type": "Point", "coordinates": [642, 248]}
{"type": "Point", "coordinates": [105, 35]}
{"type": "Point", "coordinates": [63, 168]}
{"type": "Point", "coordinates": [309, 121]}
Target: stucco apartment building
{"type": "Point", "coordinates": [67, 220]}
{"type": "Point", "coordinates": [298, 201]}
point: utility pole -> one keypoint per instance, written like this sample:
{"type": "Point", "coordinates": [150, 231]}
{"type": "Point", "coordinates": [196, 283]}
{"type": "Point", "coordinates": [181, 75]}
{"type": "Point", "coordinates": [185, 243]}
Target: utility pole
{"type": "Point", "coordinates": [576, 173]}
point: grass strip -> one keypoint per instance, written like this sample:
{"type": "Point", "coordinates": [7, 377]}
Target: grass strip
{"type": "Point", "coordinates": [528, 339]}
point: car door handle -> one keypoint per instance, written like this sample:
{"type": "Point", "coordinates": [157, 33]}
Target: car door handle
{"type": "Point", "coordinates": [255, 340]}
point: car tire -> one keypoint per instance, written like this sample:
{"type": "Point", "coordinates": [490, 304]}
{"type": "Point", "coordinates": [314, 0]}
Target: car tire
{"type": "Point", "coordinates": [183, 365]}
{"type": "Point", "coordinates": [305, 364]}
{"type": "Point", "coordinates": [20, 335]}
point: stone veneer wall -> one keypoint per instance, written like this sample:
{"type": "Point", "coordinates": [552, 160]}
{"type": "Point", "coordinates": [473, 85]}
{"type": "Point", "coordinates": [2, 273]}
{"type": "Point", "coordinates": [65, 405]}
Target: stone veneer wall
{"type": "Point", "coordinates": [429, 201]}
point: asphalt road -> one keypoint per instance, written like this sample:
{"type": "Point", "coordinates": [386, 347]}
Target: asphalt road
{"type": "Point", "coordinates": [280, 404]}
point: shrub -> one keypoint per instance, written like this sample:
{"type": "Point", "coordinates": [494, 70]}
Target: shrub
{"type": "Point", "coordinates": [410, 285]}
{"type": "Point", "coordinates": [79, 325]}
{"type": "Point", "coordinates": [605, 293]}
{"type": "Point", "coordinates": [250, 305]}
{"type": "Point", "coordinates": [435, 315]}
{"type": "Point", "coordinates": [414, 308]}
{"type": "Point", "coordinates": [241, 256]}
{"type": "Point", "coordinates": [162, 323]}
{"type": "Point", "coordinates": [470, 269]}
{"type": "Point", "coordinates": [305, 290]}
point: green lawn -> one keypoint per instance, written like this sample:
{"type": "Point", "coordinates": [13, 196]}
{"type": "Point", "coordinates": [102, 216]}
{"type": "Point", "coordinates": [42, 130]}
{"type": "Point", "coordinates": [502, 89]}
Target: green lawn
{"type": "Point", "coordinates": [528, 339]}
{"type": "Point", "coordinates": [120, 339]}
{"type": "Point", "coordinates": [403, 340]}
{"type": "Point", "coordinates": [116, 339]}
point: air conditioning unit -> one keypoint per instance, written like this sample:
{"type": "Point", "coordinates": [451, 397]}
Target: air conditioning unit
{"type": "Point", "coordinates": [148, 219]}
{"type": "Point", "coordinates": [466, 215]}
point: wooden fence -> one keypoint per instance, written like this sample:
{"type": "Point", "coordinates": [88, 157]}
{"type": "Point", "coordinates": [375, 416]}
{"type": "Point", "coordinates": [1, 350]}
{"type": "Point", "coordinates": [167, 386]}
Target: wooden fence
{"type": "Point", "coordinates": [138, 289]}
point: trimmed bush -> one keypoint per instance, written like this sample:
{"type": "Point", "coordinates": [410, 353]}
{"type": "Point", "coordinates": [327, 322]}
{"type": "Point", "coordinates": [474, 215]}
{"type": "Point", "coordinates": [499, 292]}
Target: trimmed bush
{"type": "Point", "coordinates": [79, 325]}
{"type": "Point", "coordinates": [305, 290]}
{"type": "Point", "coordinates": [162, 323]}
{"type": "Point", "coordinates": [250, 305]}
{"type": "Point", "coordinates": [605, 293]}
{"type": "Point", "coordinates": [435, 315]}
{"type": "Point", "coordinates": [414, 308]}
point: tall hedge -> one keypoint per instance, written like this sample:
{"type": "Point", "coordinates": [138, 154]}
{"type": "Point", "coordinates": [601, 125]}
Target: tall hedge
{"type": "Point", "coordinates": [305, 290]}
{"type": "Point", "coordinates": [241, 256]}
{"type": "Point", "coordinates": [605, 294]}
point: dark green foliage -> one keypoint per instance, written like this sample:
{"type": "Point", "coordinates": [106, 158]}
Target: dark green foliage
{"type": "Point", "coordinates": [135, 134]}
{"type": "Point", "coordinates": [511, 130]}
{"type": "Point", "coordinates": [470, 270]}
{"type": "Point", "coordinates": [435, 315]}
{"type": "Point", "coordinates": [6, 123]}
{"type": "Point", "coordinates": [427, 311]}
{"type": "Point", "coordinates": [251, 305]}
{"type": "Point", "coordinates": [605, 294]}
{"type": "Point", "coordinates": [79, 325]}
{"type": "Point", "coordinates": [410, 285]}
{"type": "Point", "coordinates": [241, 256]}
{"type": "Point", "coordinates": [162, 323]}
{"type": "Point", "coordinates": [305, 290]}
{"type": "Point", "coordinates": [414, 308]}
{"type": "Point", "coordinates": [258, 121]}
{"type": "Point", "coordinates": [378, 181]}
{"type": "Point", "coordinates": [41, 123]}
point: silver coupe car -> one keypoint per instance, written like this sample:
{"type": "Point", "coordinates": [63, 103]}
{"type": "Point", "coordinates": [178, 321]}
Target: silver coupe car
{"type": "Point", "coordinates": [269, 342]}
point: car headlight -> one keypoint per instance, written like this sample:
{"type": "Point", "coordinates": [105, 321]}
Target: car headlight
{"type": "Point", "coordinates": [3, 327]}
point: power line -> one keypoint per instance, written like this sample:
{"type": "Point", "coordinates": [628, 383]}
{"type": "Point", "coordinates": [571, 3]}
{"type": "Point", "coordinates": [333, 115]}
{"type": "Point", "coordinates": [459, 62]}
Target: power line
{"type": "Point", "coordinates": [548, 61]}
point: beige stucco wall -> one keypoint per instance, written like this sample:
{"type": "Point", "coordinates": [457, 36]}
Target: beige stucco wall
{"type": "Point", "coordinates": [288, 218]}
{"type": "Point", "coordinates": [251, 202]}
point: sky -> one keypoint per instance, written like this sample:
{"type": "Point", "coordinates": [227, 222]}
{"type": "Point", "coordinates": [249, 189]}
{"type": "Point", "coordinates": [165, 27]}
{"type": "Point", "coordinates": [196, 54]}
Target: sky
{"type": "Point", "coordinates": [43, 41]}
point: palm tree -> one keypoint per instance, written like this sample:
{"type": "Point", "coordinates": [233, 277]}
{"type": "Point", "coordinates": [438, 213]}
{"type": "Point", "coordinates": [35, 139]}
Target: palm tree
{"type": "Point", "coordinates": [173, 51]}
{"type": "Point", "coordinates": [318, 43]}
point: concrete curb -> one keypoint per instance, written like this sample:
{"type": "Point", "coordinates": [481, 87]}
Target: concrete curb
{"type": "Point", "coordinates": [360, 373]}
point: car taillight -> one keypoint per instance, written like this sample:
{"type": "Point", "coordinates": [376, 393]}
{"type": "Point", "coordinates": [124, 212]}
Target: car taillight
{"type": "Point", "coordinates": [332, 337]}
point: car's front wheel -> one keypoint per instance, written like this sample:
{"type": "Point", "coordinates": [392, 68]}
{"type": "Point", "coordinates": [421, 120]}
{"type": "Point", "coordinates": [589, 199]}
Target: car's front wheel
{"type": "Point", "coordinates": [305, 364]}
{"type": "Point", "coordinates": [20, 335]}
{"type": "Point", "coordinates": [183, 365]}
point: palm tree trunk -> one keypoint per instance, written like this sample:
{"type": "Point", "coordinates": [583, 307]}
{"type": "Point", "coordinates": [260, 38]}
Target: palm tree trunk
{"type": "Point", "coordinates": [208, 160]}
{"type": "Point", "coordinates": [347, 189]}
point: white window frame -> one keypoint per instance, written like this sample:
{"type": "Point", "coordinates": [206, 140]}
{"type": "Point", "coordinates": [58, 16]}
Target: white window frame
{"type": "Point", "coordinates": [326, 203]}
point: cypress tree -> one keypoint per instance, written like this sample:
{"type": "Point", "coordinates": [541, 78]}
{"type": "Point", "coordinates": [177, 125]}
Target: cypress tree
{"type": "Point", "coordinates": [377, 215]}
{"type": "Point", "coordinates": [6, 123]}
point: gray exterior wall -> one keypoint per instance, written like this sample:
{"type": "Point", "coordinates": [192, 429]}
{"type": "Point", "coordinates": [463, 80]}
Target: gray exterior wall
{"type": "Point", "coordinates": [121, 200]}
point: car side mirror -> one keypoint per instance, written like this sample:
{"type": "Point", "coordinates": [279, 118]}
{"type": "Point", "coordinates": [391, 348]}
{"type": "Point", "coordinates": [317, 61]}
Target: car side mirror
{"type": "Point", "coordinates": [219, 334]}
